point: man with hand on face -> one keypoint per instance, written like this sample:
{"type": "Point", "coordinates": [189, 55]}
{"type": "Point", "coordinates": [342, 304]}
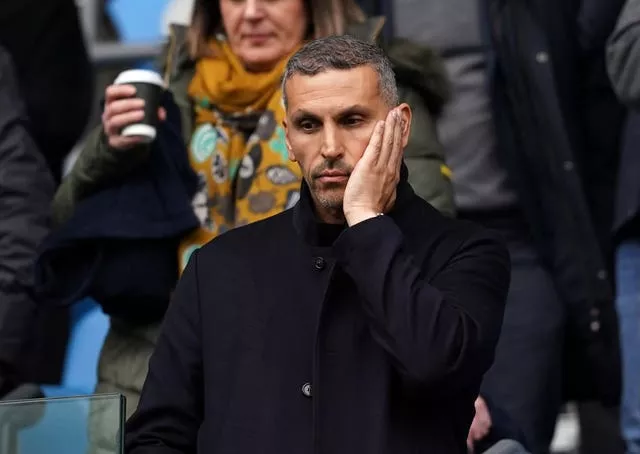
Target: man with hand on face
{"type": "Point", "coordinates": [364, 324]}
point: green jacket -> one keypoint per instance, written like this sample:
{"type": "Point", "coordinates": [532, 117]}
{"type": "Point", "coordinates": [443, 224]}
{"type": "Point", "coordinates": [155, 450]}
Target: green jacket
{"type": "Point", "coordinates": [422, 85]}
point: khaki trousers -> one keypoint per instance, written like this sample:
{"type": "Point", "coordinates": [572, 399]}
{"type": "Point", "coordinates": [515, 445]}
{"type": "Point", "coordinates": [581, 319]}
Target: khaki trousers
{"type": "Point", "coordinates": [123, 366]}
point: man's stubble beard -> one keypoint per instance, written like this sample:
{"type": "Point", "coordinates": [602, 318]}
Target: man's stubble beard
{"type": "Point", "coordinates": [329, 199]}
{"type": "Point", "coordinates": [330, 203]}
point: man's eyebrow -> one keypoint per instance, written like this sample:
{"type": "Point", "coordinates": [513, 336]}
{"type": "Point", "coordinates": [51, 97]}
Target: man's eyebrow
{"type": "Point", "coordinates": [356, 109]}
{"type": "Point", "coordinates": [303, 115]}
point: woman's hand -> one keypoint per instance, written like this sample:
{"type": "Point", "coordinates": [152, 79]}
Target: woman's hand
{"type": "Point", "coordinates": [122, 108]}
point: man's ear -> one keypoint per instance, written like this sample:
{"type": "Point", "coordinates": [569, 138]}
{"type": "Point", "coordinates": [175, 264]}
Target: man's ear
{"type": "Point", "coordinates": [286, 140]}
{"type": "Point", "coordinates": [405, 118]}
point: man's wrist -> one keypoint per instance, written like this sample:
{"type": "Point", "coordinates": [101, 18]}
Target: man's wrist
{"type": "Point", "coordinates": [360, 216]}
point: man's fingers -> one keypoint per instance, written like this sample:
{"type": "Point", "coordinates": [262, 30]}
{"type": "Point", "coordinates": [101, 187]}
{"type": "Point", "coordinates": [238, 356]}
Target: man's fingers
{"type": "Point", "coordinates": [395, 158]}
{"type": "Point", "coordinates": [387, 139]}
{"type": "Point", "coordinates": [375, 142]}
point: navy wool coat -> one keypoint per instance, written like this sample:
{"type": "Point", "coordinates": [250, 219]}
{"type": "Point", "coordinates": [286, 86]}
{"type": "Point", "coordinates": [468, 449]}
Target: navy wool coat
{"type": "Point", "coordinates": [290, 336]}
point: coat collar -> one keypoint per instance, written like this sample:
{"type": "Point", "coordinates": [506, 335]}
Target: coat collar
{"type": "Point", "coordinates": [308, 226]}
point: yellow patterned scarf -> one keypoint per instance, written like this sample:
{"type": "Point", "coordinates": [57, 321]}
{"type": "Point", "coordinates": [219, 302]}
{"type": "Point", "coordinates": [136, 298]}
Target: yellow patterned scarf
{"type": "Point", "coordinates": [237, 148]}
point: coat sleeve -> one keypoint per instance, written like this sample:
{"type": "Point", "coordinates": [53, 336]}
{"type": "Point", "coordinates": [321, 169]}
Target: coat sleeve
{"type": "Point", "coordinates": [623, 54]}
{"type": "Point", "coordinates": [440, 331]}
{"type": "Point", "coordinates": [26, 189]}
{"type": "Point", "coordinates": [96, 165]}
{"type": "Point", "coordinates": [170, 411]}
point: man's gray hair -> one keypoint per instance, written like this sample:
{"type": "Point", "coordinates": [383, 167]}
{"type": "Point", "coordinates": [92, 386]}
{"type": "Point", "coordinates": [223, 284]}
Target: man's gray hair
{"type": "Point", "coordinates": [342, 53]}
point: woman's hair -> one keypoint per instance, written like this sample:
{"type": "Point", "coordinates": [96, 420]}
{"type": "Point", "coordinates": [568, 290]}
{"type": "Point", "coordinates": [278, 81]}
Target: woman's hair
{"type": "Point", "coordinates": [325, 18]}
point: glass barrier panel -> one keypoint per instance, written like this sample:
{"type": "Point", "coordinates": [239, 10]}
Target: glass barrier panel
{"type": "Point", "coordinates": [70, 425]}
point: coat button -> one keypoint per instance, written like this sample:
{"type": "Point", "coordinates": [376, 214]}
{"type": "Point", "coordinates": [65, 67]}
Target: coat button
{"type": "Point", "coordinates": [542, 57]}
{"type": "Point", "coordinates": [319, 263]}
{"type": "Point", "coordinates": [306, 389]}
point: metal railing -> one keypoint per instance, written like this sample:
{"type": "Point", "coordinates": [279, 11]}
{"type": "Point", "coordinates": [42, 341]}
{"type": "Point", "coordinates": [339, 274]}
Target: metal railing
{"type": "Point", "coordinates": [113, 53]}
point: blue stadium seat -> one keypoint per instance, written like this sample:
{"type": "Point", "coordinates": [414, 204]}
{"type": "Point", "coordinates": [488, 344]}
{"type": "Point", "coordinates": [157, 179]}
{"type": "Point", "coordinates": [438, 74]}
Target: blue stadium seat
{"type": "Point", "coordinates": [89, 326]}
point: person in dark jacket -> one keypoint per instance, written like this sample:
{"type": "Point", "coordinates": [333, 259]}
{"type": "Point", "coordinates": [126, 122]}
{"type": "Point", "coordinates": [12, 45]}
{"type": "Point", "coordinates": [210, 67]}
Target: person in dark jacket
{"type": "Point", "coordinates": [55, 74]}
{"type": "Point", "coordinates": [531, 136]}
{"type": "Point", "coordinates": [363, 324]}
{"type": "Point", "coordinates": [623, 61]}
{"type": "Point", "coordinates": [26, 190]}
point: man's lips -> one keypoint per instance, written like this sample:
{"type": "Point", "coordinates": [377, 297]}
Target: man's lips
{"type": "Point", "coordinates": [332, 176]}
{"type": "Point", "coordinates": [334, 173]}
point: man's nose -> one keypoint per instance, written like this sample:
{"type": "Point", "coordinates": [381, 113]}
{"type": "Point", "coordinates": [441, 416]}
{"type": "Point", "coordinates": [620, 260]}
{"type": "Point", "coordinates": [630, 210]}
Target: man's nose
{"type": "Point", "coordinates": [331, 146]}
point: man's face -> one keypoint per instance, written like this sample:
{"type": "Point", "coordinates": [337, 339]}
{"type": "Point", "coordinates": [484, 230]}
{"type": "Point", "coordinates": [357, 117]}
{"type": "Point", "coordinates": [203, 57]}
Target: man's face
{"type": "Point", "coordinates": [329, 121]}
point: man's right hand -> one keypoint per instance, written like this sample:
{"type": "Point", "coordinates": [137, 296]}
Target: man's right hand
{"type": "Point", "coordinates": [122, 108]}
{"type": "Point", "coordinates": [371, 188]}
